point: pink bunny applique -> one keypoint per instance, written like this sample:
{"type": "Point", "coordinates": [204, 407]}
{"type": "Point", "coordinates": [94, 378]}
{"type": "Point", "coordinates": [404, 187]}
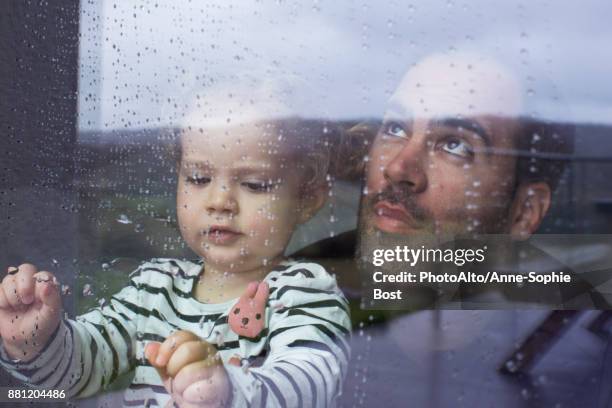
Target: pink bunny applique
{"type": "Point", "coordinates": [247, 317]}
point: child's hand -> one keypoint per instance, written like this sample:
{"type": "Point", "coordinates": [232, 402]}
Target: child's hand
{"type": "Point", "coordinates": [30, 310]}
{"type": "Point", "coordinates": [190, 370]}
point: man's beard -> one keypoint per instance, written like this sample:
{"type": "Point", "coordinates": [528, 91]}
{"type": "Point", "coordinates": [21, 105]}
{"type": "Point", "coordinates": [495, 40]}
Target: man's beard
{"type": "Point", "coordinates": [402, 197]}
{"type": "Point", "coordinates": [371, 238]}
{"type": "Point", "coordinates": [430, 232]}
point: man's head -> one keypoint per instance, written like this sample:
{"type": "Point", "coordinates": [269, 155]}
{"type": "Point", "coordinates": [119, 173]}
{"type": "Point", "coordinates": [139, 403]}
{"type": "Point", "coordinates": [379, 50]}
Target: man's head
{"type": "Point", "coordinates": [455, 154]}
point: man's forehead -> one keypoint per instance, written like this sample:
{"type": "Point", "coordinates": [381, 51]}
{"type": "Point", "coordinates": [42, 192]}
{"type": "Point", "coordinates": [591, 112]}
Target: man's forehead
{"type": "Point", "coordinates": [446, 85]}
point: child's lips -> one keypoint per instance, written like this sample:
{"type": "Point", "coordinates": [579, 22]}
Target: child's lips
{"type": "Point", "coordinates": [221, 234]}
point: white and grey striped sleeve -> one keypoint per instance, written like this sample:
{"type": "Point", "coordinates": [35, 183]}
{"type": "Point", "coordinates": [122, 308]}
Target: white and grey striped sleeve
{"type": "Point", "coordinates": [307, 336]}
{"type": "Point", "coordinates": [84, 356]}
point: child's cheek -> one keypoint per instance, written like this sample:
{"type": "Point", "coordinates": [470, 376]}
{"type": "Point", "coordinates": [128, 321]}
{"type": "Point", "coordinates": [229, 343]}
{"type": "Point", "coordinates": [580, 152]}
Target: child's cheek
{"type": "Point", "coordinates": [256, 220]}
{"type": "Point", "coordinates": [265, 226]}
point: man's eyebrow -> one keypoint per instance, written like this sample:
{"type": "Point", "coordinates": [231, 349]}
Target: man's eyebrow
{"type": "Point", "coordinates": [466, 124]}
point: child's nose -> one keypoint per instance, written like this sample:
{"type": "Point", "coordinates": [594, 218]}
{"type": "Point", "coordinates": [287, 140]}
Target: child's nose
{"type": "Point", "coordinates": [221, 199]}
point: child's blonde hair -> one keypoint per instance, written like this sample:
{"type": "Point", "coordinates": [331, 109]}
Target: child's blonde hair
{"type": "Point", "coordinates": [308, 143]}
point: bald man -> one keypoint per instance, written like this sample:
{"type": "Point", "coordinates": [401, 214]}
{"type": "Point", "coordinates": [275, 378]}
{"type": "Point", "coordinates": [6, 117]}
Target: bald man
{"type": "Point", "coordinates": [459, 153]}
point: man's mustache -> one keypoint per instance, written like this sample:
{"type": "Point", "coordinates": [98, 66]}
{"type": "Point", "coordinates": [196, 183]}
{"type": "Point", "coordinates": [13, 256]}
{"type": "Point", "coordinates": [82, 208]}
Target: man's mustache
{"type": "Point", "coordinates": [402, 197]}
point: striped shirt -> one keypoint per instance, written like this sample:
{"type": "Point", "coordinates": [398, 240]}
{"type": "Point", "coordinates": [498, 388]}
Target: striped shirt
{"type": "Point", "coordinates": [299, 359]}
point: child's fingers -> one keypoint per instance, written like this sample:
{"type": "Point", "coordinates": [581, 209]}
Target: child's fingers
{"type": "Point", "coordinates": [196, 371]}
{"type": "Point", "coordinates": [210, 392]}
{"type": "Point", "coordinates": [9, 286]}
{"type": "Point", "coordinates": [4, 303]}
{"type": "Point", "coordinates": [171, 343]}
{"type": "Point", "coordinates": [5, 285]}
{"type": "Point", "coordinates": [151, 351]}
{"type": "Point", "coordinates": [47, 290]}
{"type": "Point", "coordinates": [187, 353]}
{"type": "Point", "coordinates": [24, 280]}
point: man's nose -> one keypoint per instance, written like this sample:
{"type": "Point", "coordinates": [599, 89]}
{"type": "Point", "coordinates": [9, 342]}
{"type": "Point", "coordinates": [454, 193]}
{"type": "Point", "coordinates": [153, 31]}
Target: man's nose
{"type": "Point", "coordinates": [221, 198]}
{"type": "Point", "coordinates": [407, 167]}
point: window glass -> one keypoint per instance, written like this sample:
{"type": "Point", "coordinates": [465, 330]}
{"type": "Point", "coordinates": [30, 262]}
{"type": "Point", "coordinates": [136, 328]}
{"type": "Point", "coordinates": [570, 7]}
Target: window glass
{"type": "Point", "coordinates": [438, 172]}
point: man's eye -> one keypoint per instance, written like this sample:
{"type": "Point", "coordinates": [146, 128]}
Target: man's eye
{"type": "Point", "coordinates": [457, 147]}
{"type": "Point", "coordinates": [394, 129]}
{"type": "Point", "coordinates": [258, 186]}
{"type": "Point", "coordinates": [198, 180]}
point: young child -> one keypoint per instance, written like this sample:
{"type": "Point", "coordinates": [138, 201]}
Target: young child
{"type": "Point", "coordinates": [243, 186]}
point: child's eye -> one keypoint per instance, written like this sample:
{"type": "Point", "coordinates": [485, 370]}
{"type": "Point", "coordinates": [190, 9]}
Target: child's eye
{"type": "Point", "coordinates": [259, 186]}
{"type": "Point", "coordinates": [198, 180]}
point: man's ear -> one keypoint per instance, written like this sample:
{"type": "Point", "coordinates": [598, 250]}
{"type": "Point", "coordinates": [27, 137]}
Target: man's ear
{"type": "Point", "coordinates": [531, 203]}
{"type": "Point", "coordinates": [312, 201]}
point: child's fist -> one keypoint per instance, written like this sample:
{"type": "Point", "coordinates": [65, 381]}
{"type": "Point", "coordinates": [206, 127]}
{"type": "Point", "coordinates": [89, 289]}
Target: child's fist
{"type": "Point", "coordinates": [30, 310]}
{"type": "Point", "coordinates": [247, 317]}
{"type": "Point", "coordinates": [190, 370]}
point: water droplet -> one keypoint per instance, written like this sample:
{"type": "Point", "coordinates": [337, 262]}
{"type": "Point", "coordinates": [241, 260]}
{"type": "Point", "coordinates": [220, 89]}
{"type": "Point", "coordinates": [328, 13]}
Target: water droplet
{"type": "Point", "coordinates": [123, 219]}
{"type": "Point", "coordinates": [525, 393]}
{"type": "Point", "coordinates": [87, 291]}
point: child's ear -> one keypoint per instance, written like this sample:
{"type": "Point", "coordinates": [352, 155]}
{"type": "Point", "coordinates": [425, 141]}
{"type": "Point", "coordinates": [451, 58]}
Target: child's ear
{"type": "Point", "coordinates": [531, 203]}
{"type": "Point", "coordinates": [312, 201]}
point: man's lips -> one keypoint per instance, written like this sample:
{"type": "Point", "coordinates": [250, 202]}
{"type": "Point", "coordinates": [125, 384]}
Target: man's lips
{"type": "Point", "coordinates": [392, 216]}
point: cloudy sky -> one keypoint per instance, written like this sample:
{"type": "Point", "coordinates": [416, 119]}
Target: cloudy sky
{"type": "Point", "coordinates": [140, 59]}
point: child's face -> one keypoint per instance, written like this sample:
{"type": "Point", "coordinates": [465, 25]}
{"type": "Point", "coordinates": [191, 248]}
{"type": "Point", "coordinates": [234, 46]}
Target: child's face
{"type": "Point", "coordinates": [238, 199]}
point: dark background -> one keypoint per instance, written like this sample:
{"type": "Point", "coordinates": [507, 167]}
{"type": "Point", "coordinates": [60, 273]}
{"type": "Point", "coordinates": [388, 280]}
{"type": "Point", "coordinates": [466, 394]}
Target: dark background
{"type": "Point", "coordinates": [38, 104]}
